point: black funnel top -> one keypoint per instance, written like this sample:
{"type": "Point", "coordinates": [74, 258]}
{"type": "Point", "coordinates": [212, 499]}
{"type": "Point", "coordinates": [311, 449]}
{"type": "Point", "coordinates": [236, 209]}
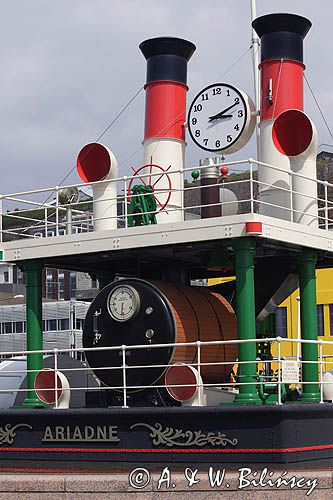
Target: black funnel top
{"type": "Point", "coordinates": [282, 22]}
{"type": "Point", "coordinates": [282, 35]}
{"type": "Point", "coordinates": [167, 58]}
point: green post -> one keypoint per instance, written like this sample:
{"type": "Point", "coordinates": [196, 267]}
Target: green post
{"type": "Point", "coordinates": [246, 321]}
{"type": "Point", "coordinates": [309, 326]}
{"type": "Point", "coordinates": [33, 271]}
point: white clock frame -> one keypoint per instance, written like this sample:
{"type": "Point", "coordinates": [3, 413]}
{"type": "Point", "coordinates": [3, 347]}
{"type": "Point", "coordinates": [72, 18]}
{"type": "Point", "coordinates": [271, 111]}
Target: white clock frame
{"type": "Point", "coordinates": [213, 135]}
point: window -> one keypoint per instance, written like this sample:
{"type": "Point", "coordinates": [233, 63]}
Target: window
{"type": "Point", "coordinates": [8, 327]}
{"type": "Point", "coordinates": [61, 281]}
{"type": "Point", "coordinates": [6, 276]}
{"type": "Point", "coordinates": [73, 285]}
{"type": "Point", "coordinates": [281, 322]}
{"type": "Point", "coordinates": [19, 326]}
{"type": "Point", "coordinates": [51, 325]}
{"type": "Point", "coordinates": [320, 319]}
{"type": "Point", "coordinates": [64, 324]}
{"type": "Point", "coordinates": [79, 324]}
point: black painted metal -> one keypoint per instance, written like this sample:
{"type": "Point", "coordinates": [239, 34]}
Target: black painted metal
{"type": "Point", "coordinates": [167, 58]}
{"type": "Point", "coordinates": [282, 36]}
{"type": "Point", "coordinates": [131, 332]}
{"type": "Point", "coordinates": [254, 435]}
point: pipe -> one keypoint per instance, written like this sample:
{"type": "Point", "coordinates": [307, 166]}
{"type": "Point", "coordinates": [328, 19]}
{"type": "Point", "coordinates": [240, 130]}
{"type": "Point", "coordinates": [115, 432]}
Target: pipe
{"type": "Point", "coordinates": [210, 196]}
{"type": "Point", "coordinates": [165, 115]}
{"type": "Point", "coordinates": [295, 136]}
{"type": "Point", "coordinates": [96, 162]}
{"type": "Point", "coordinates": [281, 89]}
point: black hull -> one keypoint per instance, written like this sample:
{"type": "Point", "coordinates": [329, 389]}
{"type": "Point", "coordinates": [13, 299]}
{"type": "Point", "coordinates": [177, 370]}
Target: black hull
{"type": "Point", "coordinates": [301, 435]}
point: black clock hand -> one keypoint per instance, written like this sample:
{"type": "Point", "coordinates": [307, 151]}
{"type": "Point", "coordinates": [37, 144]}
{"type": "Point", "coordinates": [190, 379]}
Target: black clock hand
{"type": "Point", "coordinates": [220, 115]}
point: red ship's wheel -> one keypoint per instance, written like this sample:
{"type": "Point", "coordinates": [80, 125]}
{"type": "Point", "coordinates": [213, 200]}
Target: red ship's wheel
{"type": "Point", "coordinates": [151, 178]}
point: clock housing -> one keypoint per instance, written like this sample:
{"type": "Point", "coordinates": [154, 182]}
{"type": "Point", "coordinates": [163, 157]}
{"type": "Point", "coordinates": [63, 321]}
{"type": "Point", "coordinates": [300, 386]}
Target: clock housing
{"type": "Point", "coordinates": [221, 118]}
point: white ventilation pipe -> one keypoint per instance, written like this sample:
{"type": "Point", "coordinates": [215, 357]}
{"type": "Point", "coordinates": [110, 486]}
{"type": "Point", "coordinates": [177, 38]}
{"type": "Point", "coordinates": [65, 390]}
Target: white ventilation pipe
{"type": "Point", "coordinates": [295, 136]}
{"type": "Point", "coordinates": [52, 387]}
{"type": "Point", "coordinates": [183, 383]}
{"type": "Point", "coordinates": [96, 162]}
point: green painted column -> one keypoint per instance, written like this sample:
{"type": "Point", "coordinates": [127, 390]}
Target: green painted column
{"type": "Point", "coordinates": [309, 326]}
{"type": "Point", "coordinates": [33, 271]}
{"type": "Point", "coordinates": [246, 321]}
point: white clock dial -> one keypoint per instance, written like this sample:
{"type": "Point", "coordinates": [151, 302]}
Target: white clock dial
{"type": "Point", "coordinates": [221, 118]}
{"type": "Point", "coordinates": [123, 303]}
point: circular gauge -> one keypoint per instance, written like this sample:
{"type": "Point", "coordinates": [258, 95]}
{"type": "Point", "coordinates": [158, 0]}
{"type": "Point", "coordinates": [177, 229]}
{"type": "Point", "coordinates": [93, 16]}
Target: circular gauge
{"type": "Point", "coordinates": [123, 303]}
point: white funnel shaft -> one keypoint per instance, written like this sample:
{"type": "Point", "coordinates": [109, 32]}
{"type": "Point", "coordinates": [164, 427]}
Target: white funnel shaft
{"type": "Point", "coordinates": [96, 162]}
{"type": "Point", "coordinates": [295, 136]}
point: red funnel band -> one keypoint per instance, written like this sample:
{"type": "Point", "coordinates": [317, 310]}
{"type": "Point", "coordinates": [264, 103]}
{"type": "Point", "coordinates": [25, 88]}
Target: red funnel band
{"type": "Point", "coordinates": [292, 132]}
{"type": "Point", "coordinates": [45, 383]}
{"type": "Point", "coordinates": [93, 163]}
{"type": "Point", "coordinates": [176, 379]}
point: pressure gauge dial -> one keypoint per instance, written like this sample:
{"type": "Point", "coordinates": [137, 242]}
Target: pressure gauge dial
{"type": "Point", "coordinates": [221, 118]}
{"type": "Point", "coordinates": [123, 303]}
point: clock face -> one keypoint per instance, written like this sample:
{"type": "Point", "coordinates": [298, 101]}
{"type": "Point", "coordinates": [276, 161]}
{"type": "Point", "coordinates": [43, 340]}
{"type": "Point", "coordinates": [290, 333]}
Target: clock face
{"type": "Point", "coordinates": [219, 116]}
{"type": "Point", "coordinates": [123, 303]}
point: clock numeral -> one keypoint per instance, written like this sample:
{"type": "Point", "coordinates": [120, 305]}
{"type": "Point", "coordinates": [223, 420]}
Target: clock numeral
{"type": "Point", "coordinates": [229, 138]}
{"type": "Point", "coordinates": [217, 91]}
{"type": "Point", "coordinates": [237, 100]}
{"type": "Point", "coordinates": [204, 97]}
{"type": "Point", "coordinates": [194, 121]}
{"type": "Point", "coordinates": [228, 93]}
{"type": "Point", "coordinates": [236, 127]}
{"type": "Point", "coordinates": [197, 133]}
{"type": "Point", "coordinates": [217, 144]}
{"type": "Point", "coordinates": [205, 141]}
{"type": "Point", "coordinates": [240, 113]}
{"type": "Point", "coordinates": [197, 107]}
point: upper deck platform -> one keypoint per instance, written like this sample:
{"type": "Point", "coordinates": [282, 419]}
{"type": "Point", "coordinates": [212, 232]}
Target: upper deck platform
{"type": "Point", "coordinates": [62, 234]}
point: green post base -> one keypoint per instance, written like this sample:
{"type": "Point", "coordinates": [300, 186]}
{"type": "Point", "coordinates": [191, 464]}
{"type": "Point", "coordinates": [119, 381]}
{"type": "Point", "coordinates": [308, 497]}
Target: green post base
{"type": "Point", "coordinates": [31, 402]}
{"type": "Point", "coordinates": [309, 397]}
{"type": "Point", "coordinates": [247, 399]}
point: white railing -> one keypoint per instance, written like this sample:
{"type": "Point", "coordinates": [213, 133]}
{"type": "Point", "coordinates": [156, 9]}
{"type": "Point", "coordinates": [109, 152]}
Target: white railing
{"type": "Point", "coordinates": [264, 373]}
{"type": "Point", "coordinates": [26, 215]}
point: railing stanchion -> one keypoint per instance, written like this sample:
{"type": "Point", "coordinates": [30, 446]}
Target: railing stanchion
{"type": "Point", "coordinates": [1, 219]}
{"type": "Point", "coordinates": [55, 351]}
{"type": "Point", "coordinates": [321, 371]}
{"type": "Point", "coordinates": [279, 369]}
{"type": "Point", "coordinates": [123, 348]}
{"type": "Point", "coordinates": [57, 211]}
{"type": "Point", "coordinates": [251, 188]}
{"type": "Point", "coordinates": [199, 371]}
{"type": "Point", "coordinates": [326, 206]}
{"type": "Point", "coordinates": [125, 201]}
{"type": "Point", "coordinates": [291, 197]}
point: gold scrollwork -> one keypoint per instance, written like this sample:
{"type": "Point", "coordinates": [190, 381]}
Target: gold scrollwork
{"type": "Point", "coordinates": [8, 433]}
{"type": "Point", "coordinates": [177, 437]}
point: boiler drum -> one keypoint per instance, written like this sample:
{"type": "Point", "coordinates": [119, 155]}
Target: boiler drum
{"type": "Point", "coordinates": [136, 312]}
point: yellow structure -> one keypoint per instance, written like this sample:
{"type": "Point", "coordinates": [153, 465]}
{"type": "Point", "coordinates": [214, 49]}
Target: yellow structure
{"type": "Point", "coordinates": [287, 317]}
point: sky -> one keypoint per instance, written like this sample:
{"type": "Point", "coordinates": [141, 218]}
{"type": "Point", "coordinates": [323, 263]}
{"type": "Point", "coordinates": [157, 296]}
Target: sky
{"type": "Point", "coordinates": [69, 67]}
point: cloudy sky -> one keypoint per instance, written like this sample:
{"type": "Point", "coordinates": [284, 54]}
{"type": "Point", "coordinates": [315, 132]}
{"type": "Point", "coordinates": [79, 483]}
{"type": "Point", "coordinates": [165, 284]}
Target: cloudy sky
{"type": "Point", "coordinates": [68, 67]}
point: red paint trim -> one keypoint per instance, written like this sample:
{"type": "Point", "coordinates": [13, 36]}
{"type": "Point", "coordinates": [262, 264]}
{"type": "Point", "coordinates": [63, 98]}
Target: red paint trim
{"type": "Point", "coordinates": [171, 450]}
{"type": "Point", "coordinates": [253, 227]}
{"type": "Point", "coordinates": [165, 110]}
{"type": "Point", "coordinates": [287, 87]}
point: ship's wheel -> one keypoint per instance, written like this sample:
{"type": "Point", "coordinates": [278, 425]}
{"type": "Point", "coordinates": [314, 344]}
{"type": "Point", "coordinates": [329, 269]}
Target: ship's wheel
{"type": "Point", "coordinates": [158, 178]}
